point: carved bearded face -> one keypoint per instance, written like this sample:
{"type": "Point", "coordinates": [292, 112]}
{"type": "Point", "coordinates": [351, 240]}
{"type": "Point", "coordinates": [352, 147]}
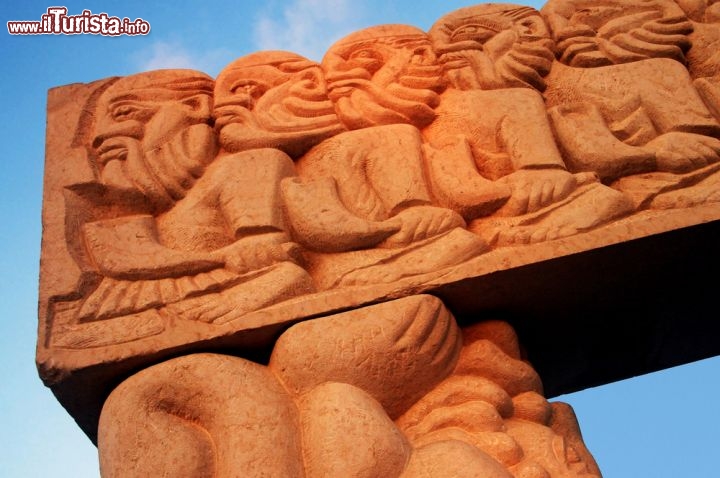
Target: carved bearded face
{"type": "Point", "coordinates": [152, 134]}
{"type": "Point", "coordinates": [383, 75]}
{"type": "Point", "coordinates": [493, 46]}
{"type": "Point", "coordinates": [273, 99]}
{"type": "Point", "coordinates": [591, 33]}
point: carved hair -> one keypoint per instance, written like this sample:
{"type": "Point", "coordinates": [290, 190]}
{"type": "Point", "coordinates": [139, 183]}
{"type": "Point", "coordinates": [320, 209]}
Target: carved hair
{"type": "Point", "coordinates": [495, 17]}
{"type": "Point", "coordinates": [166, 85]}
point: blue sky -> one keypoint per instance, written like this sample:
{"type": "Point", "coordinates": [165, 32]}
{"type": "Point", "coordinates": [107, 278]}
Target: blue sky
{"type": "Point", "coordinates": [661, 425]}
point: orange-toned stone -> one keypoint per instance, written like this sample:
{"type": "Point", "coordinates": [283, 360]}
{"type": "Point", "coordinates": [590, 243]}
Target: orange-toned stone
{"type": "Point", "coordinates": [378, 391]}
{"type": "Point", "coordinates": [328, 221]}
{"type": "Point", "coordinates": [200, 415]}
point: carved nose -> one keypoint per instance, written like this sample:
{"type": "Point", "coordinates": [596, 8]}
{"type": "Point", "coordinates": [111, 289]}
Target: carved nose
{"type": "Point", "coordinates": [126, 129]}
{"type": "Point", "coordinates": [351, 74]}
{"type": "Point", "coordinates": [239, 98]}
{"type": "Point", "coordinates": [310, 84]}
{"type": "Point", "coordinates": [423, 56]}
{"type": "Point", "coordinates": [312, 78]}
{"type": "Point", "coordinates": [337, 69]}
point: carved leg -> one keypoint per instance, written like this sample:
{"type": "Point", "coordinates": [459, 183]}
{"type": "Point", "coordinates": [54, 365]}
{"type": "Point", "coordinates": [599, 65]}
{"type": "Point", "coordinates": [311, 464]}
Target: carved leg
{"type": "Point", "coordinates": [452, 458]}
{"type": "Point", "coordinates": [395, 351]}
{"type": "Point", "coordinates": [199, 416]}
{"type": "Point", "coordinates": [493, 402]}
{"type": "Point", "coordinates": [589, 145]}
{"type": "Point", "coordinates": [346, 432]}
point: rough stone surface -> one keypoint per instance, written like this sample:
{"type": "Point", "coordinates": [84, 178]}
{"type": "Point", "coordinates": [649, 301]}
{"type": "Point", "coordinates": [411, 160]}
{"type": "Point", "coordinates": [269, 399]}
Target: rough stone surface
{"type": "Point", "coordinates": [285, 249]}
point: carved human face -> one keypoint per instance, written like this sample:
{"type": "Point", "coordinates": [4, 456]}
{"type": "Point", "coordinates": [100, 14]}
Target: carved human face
{"type": "Point", "coordinates": [152, 133]}
{"type": "Point", "coordinates": [273, 99]}
{"type": "Point", "coordinates": [547, 454]}
{"type": "Point", "coordinates": [383, 75]}
{"type": "Point", "coordinates": [591, 33]}
{"type": "Point", "coordinates": [493, 46]}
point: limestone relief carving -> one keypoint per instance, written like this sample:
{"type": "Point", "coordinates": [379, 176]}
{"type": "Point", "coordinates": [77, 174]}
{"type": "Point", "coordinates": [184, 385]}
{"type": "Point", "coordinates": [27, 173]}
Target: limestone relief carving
{"type": "Point", "coordinates": [383, 82]}
{"type": "Point", "coordinates": [401, 153]}
{"type": "Point", "coordinates": [623, 103]}
{"type": "Point", "coordinates": [328, 218]}
{"type": "Point", "coordinates": [702, 57]}
{"type": "Point", "coordinates": [213, 225]}
{"type": "Point", "coordinates": [495, 56]}
{"type": "Point", "coordinates": [392, 390]}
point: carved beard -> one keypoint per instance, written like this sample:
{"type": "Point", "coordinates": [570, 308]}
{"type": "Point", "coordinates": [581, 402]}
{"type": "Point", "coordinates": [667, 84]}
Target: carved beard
{"type": "Point", "coordinates": [165, 173]}
{"type": "Point", "coordinates": [626, 39]}
{"type": "Point", "coordinates": [292, 118]}
{"type": "Point", "coordinates": [411, 100]}
{"type": "Point", "coordinates": [524, 64]}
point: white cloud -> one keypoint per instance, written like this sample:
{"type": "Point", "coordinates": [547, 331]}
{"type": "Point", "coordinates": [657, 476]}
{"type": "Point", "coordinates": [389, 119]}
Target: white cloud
{"type": "Point", "coordinates": [166, 55]}
{"type": "Point", "coordinates": [163, 54]}
{"type": "Point", "coordinates": [307, 27]}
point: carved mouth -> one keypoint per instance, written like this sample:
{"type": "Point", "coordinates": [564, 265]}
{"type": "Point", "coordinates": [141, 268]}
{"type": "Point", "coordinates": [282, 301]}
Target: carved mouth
{"type": "Point", "coordinates": [229, 114]}
{"type": "Point", "coordinates": [226, 119]}
{"type": "Point", "coordinates": [340, 88]}
{"type": "Point", "coordinates": [455, 59]}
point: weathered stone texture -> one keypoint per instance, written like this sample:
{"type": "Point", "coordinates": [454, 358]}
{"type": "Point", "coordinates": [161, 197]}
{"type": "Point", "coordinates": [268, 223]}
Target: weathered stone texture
{"type": "Point", "coordinates": [260, 273]}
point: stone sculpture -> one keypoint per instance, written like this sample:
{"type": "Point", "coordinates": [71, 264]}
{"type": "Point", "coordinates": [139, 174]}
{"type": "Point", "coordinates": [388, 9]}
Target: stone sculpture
{"type": "Point", "coordinates": [389, 390]}
{"type": "Point", "coordinates": [493, 55]}
{"type": "Point", "coordinates": [659, 124]}
{"type": "Point", "coordinates": [702, 56]}
{"type": "Point", "coordinates": [259, 274]}
{"type": "Point", "coordinates": [218, 229]}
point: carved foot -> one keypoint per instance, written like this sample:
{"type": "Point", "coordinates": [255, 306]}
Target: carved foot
{"type": "Point", "coordinates": [679, 152]}
{"type": "Point", "coordinates": [588, 207]}
{"type": "Point", "coordinates": [432, 255]}
{"type": "Point", "coordinates": [252, 291]}
{"type": "Point", "coordinates": [200, 416]}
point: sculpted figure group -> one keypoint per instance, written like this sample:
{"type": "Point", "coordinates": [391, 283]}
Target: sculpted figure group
{"type": "Point", "coordinates": [391, 390]}
{"type": "Point", "coordinates": [402, 153]}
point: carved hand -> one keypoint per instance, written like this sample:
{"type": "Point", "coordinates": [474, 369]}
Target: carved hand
{"type": "Point", "coordinates": [422, 222]}
{"type": "Point", "coordinates": [256, 252]}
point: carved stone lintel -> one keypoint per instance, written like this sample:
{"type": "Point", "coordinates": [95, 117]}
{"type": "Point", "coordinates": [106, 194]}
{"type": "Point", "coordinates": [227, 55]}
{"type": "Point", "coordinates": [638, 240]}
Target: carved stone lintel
{"type": "Point", "coordinates": [325, 221]}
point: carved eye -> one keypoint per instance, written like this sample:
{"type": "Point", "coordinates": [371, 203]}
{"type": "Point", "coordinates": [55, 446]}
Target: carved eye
{"type": "Point", "coordinates": [467, 29]}
{"type": "Point", "coordinates": [530, 25]}
{"type": "Point", "coordinates": [595, 17]}
{"type": "Point", "coordinates": [366, 58]}
{"type": "Point", "coordinates": [475, 32]}
{"type": "Point", "coordinates": [363, 54]}
{"type": "Point", "coordinates": [249, 87]}
{"type": "Point", "coordinates": [131, 110]}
